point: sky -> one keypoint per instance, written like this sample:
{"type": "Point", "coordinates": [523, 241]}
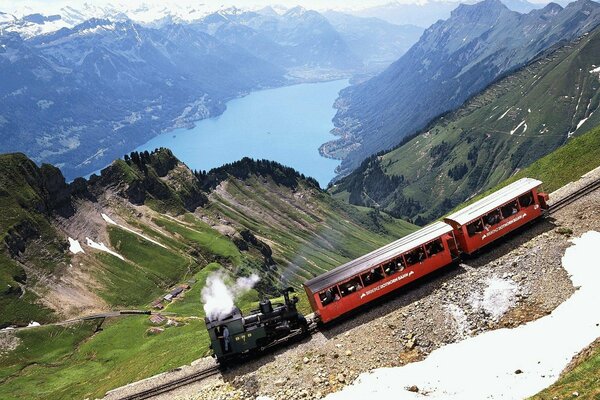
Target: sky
{"type": "Point", "coordinates": [313, 4]}
{"type": "Point", "coordinates": [20, 7]}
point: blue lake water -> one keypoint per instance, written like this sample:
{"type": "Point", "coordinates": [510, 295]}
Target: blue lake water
{"type": "Point", "coordinates": [286, 124]}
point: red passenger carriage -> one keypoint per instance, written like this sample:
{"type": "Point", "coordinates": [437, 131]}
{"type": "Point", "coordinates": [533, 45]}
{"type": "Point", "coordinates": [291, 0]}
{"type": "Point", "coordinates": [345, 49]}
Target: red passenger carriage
{"type": "Point", "coordinates": [497, 214]}
{"type": "Point", "coordinates": [375, 274]}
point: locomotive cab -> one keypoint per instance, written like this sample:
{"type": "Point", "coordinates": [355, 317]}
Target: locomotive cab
{"type": "Point", "coordinates": [235, 335]}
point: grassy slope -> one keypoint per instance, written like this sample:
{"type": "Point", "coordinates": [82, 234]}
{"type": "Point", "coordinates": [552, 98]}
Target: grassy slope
{"type": "Point", "coordinates": [309, 231]}
{"type": "Point", "coordinates": [72, 362]}
{"type": "Point", "coordinates": [21, 198]}
{"type": "Point", "coordinates": [552, 96]}
{"type": "Point", "coordinates": [564, 165]}
{"type": "Point", "coordinates": [583, 379]}
{"type": "Point", "coordinates": [58, 362]}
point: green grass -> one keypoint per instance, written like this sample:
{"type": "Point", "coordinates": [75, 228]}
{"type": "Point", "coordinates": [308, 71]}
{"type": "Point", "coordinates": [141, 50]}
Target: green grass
{"type": "Point", "coordinates": [566, 164]}
{"type": "Point", "coordinates": [56, 362]}
{"type": "Point", "coordinates": [584, 379]}
{"type": "Point", "coordinates": [68, 362]}
{"type": "Point", "coordinates": [200, 233]}
{"type": "Point", "coordinates": [147, 272]}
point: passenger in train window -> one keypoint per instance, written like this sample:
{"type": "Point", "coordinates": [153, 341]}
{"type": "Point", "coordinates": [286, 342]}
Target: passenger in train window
{"type": "Point", "coordinates": [509, 209]}
{"type": "Point", "coordinates": [420, 254]}
{"type": "Point", "coordinates": [526, 200]}
{"type": "Point", "coordinates": [336, 297]}
{"type": "Point", "coordinates": [491, 219]}
{"type": "Point", "coordinates": [434, 247]}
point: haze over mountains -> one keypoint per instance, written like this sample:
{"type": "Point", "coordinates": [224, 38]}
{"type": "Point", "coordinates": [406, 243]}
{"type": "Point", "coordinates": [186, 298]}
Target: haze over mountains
{"type": "Point", "coordinates": [103, 86]}
{"type": "Point", "coordinates": [453, 60]}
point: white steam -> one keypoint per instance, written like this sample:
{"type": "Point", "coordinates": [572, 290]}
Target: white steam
{"type": "Point", "coordinates": [218, 297]}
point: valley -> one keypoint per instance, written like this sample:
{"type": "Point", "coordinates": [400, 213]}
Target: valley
{"type": "Point", "coordinates": [145, 78]}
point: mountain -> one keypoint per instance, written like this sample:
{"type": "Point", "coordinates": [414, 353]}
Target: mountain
{"type": "Point", "coordinates": [103, 87]}
{"type": "Point", "coordinates": [453, 60]}
{"type": "Point", "coordinates": [299, 40]}
{"type": "Point", "coordinates": [376, 41]}
{"type": "Point", "coordinates": [147, 222]}
{"type": "Point", "coordinates": [498, 132]}
{"type": "Point", "coordinates": [425, 14]}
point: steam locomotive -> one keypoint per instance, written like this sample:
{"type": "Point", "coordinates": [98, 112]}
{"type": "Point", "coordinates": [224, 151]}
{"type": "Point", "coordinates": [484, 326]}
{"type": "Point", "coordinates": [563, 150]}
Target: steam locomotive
{"type": "Point", "coordinates": [237, 335]}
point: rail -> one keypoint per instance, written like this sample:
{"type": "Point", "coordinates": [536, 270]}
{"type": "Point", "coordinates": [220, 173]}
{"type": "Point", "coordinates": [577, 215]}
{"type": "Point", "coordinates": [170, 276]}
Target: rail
{"type": "Point", "coordinates": [565, 201]}
{"type": "Point", "coordinates": [174, 384]}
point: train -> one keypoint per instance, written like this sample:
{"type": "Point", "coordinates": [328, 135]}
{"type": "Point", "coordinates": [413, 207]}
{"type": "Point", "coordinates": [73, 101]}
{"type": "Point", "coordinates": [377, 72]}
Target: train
{"type": "Point", "coordinates": [355, 284]}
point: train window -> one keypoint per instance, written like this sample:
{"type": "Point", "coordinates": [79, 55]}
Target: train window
{"type": "Point", "coordinates": [329, 295]}
{"type": "Point", "coordinates": [415, 256]}
{"type": "Point", "coordinates": [372, 276]}
{"type": "Point", "coordinates": [475, 227]}
{"type": "Point", "coordinates": [526, 200]}
{"type": "Point", "coordinates": [434, 247]}
{"type": "Point", "coordinates": [394, 266]}
{"type": "Point", "coordinates": [509, 209]}
{"type": "Point", "coordinates": [350, 286]}
{"type": "Point", "coordinates": [492, 218]}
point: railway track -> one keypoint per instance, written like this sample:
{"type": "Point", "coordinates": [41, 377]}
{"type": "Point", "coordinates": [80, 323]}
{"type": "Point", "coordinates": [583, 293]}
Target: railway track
{"type": "Point", "coordinates": [172, 385]}
{"type": "Point", "coordinates": [565, 201]}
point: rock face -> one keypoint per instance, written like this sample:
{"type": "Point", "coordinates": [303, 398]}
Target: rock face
{"type": "Point", "coordinates": [453, 60]}
{"type": "Point", "coordinates": [156, 176]}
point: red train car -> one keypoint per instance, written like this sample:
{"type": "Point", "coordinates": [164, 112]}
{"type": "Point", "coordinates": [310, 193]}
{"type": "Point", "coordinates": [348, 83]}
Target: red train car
{"type": "Point", "coordinates": [496, 215]}
{"type": "Point", "coordinates": [373, 275]}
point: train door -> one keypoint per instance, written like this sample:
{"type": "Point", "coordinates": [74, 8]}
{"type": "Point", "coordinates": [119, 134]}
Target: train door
{"type": "Point", "coordinates": [452, 245]}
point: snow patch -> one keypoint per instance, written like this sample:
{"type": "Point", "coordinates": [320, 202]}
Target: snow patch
{"type": "Point", "coordinates": [75, 246]}
{"type": "Point", "coordinates": [102, 247]}
{"type": "Point", "coordinates": [33, 323]}
{"type": "Point", "coordinates": [110, 221]}
{"type": "Point", "coordinates": [541, 349]}
{"type": "Point", "coordinates": [458, 318]}
{"type": "Point", "coordinates": [518, 126]}
{"type": "Point", "coordinates": [504, 115]}
{"type": "Point", "coordinates": [498, 296]}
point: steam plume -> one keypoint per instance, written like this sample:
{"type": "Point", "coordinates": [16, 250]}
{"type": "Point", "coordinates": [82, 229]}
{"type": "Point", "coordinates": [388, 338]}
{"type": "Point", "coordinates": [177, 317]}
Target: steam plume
{"type": "Point", "coordinates": [218, 297]}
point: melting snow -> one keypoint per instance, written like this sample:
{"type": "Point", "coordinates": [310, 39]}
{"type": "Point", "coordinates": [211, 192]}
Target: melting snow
{"type": "Point", "coordinates": [518, 126]}
{"type": "Point", "coordinates": [75, 246]}
{"type": "Point", "coordinates": [503, 115]}
{"type": "Point", "coordinates": [483, 367]}
{"type": "Point", "coordinates": [497, 297]}
{"type": "Point", "coordinates": [102, 247]}
{"type": "Point", "coordinates": [110, 221]}
{"type": "Point", "coordinates": [458, 318]}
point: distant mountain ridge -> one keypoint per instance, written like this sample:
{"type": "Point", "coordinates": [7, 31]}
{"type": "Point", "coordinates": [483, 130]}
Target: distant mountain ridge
{"type": "Point", "coordinates": [427, 13]}
{"type": "Point", "coordinates": [498, 132]}
{"type": "Point", "coordinates": [453, 60]}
